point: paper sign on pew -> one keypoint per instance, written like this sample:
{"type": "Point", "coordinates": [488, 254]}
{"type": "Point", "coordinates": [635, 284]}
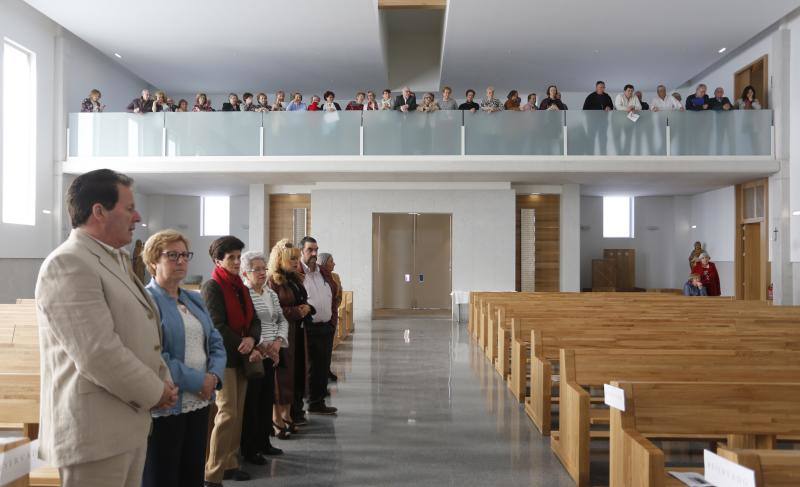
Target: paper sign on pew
{"type": "Point", "coordinates": [722, 472]}
{"type": "Point", "coordinates": [614, 397]}
{"type": "Point", "coordinates": [20, 461]}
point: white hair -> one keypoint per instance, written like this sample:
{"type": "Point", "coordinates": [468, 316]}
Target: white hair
{"type": "Point", "coordinates": [249, 257]}
{"type": "Point", "coordinates": [323, 258]}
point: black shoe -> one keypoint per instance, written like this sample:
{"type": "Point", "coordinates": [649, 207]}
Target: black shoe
{"type": "Point", "coordinates": [322, 409]}
{"type": "Point", "coordinates": [236, 474]}
{"type": "Point", "coordinates": [256, 459]}
{"type": "Point", "coordinates": [271, 451]}
{"type": "Point", "coordinates": [299, 419]}
{"type": "Point", "coordinates": [332, 377]}
{"type": "Point", "coordinates": [211, 484]}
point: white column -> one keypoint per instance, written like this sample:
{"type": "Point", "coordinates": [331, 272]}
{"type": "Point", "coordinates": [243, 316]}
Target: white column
{"type": "Point", "coordinates": [570, 236]}
{"type": "Point", "coordinates": [258, 234]}
{"type": "Point", "coordinates": [779, 230]}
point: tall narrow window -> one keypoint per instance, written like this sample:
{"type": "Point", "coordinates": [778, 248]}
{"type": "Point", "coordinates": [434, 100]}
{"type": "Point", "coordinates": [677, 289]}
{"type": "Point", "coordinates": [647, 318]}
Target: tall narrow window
{"type": "Point", "coordinates": [617, 217]}
{"type": "Point", "coordinates": [216, 215]}
{"type": "Point", "coordinates": [19, 134]}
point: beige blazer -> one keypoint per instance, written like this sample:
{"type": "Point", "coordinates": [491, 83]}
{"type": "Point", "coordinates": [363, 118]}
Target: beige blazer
{"type": "Point", "coordinates": [100, 345]}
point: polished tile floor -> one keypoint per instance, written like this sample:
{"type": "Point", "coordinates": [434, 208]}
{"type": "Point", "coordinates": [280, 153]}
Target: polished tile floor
{"type": "Point", "coordinates": [419, 405]}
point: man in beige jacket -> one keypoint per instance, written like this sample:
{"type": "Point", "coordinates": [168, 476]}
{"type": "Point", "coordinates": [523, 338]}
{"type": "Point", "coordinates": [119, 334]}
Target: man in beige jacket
{"type": "Point", "coordinates": [100, 343]}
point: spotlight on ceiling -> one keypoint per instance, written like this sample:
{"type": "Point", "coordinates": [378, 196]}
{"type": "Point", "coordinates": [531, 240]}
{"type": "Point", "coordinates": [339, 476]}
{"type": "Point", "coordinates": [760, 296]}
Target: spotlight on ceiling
{"type": "Point", "coordinates": [118, 55]}
{"type": "Point", "coordinates": [722, 50]}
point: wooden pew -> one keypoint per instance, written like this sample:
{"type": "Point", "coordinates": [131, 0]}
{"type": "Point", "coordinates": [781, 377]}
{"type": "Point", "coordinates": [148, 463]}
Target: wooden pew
{"type": "Point", "coordinates": [773, 468]}
{"type": "Point", "coordinates": [579, 368]}
{"type": "Point", "coordinates": [692, 408]}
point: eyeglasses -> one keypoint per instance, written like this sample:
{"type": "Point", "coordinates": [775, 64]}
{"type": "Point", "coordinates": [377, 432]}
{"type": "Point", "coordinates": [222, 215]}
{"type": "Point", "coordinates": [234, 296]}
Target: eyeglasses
{"type": "Point", "coordinates": [258, 270]}
{"type": "Point", "coordinates": [174, 256]}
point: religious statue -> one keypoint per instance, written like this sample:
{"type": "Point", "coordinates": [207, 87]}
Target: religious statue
{"type": "Point", "coordinates": [696, 251]}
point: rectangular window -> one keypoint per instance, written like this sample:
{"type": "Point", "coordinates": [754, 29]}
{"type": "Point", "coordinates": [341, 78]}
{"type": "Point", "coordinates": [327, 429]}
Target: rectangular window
{"type": "Point", "coordinates": [617, 217]}
{"type": "Point", "coordinates": [19, 134]}
{"type": "Point", "coordinates": [216, 216]}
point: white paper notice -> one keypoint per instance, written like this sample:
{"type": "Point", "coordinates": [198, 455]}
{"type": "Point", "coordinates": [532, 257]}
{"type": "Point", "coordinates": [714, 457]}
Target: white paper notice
{"type": "Point", "coordinates": [722, 472]}
{"type": "Point", "coordinates": [614, 397]}
{"type": "Point", "coordinates": [692, 479]}
{"type": "Point", "coordinates": [15, 463]}
{"type": "Point", "coordinates": [633, 116]}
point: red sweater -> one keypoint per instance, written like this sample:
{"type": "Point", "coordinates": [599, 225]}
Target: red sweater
{"type": "Point", "coordinates": [709, 277]}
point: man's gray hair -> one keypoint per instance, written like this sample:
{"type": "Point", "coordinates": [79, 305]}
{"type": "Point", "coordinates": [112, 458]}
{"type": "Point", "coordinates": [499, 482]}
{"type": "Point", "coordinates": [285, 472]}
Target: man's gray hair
{"type": "Point", "coordinates": [323, 258]}
{"type": "Point", "coordinates": [249, 257]}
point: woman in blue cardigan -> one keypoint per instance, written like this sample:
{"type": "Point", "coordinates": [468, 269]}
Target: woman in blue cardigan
{"type": "Point", "coordinates": [195, 355]}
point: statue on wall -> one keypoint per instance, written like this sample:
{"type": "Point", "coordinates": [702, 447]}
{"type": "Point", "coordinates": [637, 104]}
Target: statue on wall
{"type": "Point", "coordinates": [138, 263]}
{"type": "Point", "coordinates": [696, 251]}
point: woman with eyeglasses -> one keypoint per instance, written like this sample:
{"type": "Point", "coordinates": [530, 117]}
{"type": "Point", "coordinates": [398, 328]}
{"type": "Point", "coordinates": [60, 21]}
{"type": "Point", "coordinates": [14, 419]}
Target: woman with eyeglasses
{"type": "Point", "coordinates": [194, 352]}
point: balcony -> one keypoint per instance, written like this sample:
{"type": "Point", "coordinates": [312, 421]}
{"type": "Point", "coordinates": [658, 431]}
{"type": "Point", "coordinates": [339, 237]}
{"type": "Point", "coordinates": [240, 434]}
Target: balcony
{"type": "Point", "coordinates": [459, 135]}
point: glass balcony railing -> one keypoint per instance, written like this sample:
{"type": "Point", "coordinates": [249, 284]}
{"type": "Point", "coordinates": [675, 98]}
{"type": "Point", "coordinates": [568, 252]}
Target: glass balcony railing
{"type": "Point", "coordinates": [442, 133]}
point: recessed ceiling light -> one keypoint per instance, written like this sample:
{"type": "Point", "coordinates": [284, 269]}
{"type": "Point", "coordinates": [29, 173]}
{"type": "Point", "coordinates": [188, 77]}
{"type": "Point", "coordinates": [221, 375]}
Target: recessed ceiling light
{"type": "Point", "coordinates": [694, 226]}
{"type": "Point", "coordinates": [722, 50]}
{"type": "Point", "coordinates": [796, 213]}
{"type": "Point", "coordinates": [46, 212]}
{"type": "Point", "coordinates": [144, 225]}
{"type": "Point", "coordinates": [118, 55]}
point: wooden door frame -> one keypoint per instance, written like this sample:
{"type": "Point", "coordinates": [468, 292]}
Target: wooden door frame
{"type": "Point", "coordinates": [763, 97]}
{"type": "Point", "coordinates": [764, 238]}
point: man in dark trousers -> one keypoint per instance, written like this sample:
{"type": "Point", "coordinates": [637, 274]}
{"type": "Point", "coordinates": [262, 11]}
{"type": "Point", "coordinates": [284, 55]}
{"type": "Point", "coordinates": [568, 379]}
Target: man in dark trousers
{"type": "Point", "coordinates": [321, 290]}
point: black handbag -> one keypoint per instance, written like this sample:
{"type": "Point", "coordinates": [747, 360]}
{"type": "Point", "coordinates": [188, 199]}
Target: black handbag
{"type": "Point", "coordinates": [253, 370]}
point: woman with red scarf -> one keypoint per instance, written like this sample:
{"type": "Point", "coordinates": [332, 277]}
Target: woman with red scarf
{"type": "Point", "coordinates": [708, 274]}
{"type": "Point", "coordinates": [231, 309]}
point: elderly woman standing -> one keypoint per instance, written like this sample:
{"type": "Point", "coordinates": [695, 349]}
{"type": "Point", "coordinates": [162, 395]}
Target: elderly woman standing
{"type": "Point", "coordinates": [325, 260]}
{"type": "Point", "coordinates": [708, 274]}
{"type": "Point", "coordinates": [233, 314]}
{"type": "Point", "coordinates": [195, 355]}
{"type": "Point", "coordinates": [285, 279]}
{"type": "Point", "coordinates": [274, 336]}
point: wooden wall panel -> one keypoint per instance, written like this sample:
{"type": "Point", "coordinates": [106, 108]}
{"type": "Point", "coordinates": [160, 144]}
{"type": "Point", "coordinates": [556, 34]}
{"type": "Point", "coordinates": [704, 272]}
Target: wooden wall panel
{"type": "Point", "coordinates": [280, 215]}
{"type": "Point", "coordinates": [548, 239]}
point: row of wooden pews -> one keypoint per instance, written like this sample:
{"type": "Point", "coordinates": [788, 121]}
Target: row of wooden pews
{"type": "Point", "coordinates": [553, 349]}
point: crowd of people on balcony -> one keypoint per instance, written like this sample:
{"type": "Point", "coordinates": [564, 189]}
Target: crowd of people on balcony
{"type": "Point", "coordinates": [628, 101]}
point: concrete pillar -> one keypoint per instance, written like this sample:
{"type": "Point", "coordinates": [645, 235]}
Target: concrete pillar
{"type": "Point", "coordinates": [570, 233]}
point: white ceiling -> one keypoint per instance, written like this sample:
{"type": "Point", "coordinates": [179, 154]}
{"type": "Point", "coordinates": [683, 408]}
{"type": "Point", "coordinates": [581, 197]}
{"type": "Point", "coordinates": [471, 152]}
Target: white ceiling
{"type": "Point", "coordinates": [236, 45]}
{"type": "Point", "coordinates": [311, 45]}
{"type": "Point", "coordinates": [528, 45]}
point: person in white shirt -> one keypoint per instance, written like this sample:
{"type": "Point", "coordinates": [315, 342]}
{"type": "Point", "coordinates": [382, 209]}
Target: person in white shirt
{"type": "Point", "coordinates": [627, 101]}
{"type": "Point", "coordinates": [663, 102]}
{"type": "Point", "coordinates": [319, 332]}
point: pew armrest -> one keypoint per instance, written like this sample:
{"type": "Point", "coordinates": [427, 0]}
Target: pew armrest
{"type": "Point", "coordinates": [642, 462]}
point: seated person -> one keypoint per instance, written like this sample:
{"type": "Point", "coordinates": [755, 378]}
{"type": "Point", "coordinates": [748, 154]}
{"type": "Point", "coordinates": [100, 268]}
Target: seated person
{"type": "Point", "coordinates": [315, 105]}
{"type": "Point", "coordinates": [707, 271]}
{"type": "Point", "coordinates": [428, 104]}
{"type": "Point", "coordinates": [202, 104]}
{"type": "Point", "coordinates": [627, 101]}
{"type": "Point", "coordinates": [279, 99]}
{"type": "Point", "coordinates": [553, 100]}
{"type": "Point", "coordinates": [296, 104]}
{"type": "Point", "coordinates": [172, 106]}
{"type": "Point", "coordinates": [470, 103]}
{"type": "Point", "coordinates": [677, 96]}
{"type": "Point", "coordinates": [643, 103]}
{"type": "Point", "coordinates": [358, 103]}
{"type": "Point", "coordinates": [183, 106]}
{"type": "Point", "coordinates": [386, 100]}
{"type": "Point", "coordinates": [598, 99]}
{"type": "Point", "coordinates": [694, 287]}
{"type": "Point", "coordinates": [513, 101]}
{"type": "Point", "coordinates": [447, 102]}
{"type": "Point", "coordinates": [92, 104]}
{"type": "Point", "coordinates": [720, 101]}
{"type": "Point", "coordinates": [160, 104]}
{"type": "Point", "coordinates": [748, 101]}
{"type": "Point", "coordinates": [406, 101]}
{"type": "Point", "coordinates": [664, 103]}
{"type": "Point", "coordinates": [232, 105]}
{"type": "Point", "coordinates": [699, 100]}
{"type": "Point", "coordinates": [490, 103]}
{"type": "Point", "coordinates": [531, 105]}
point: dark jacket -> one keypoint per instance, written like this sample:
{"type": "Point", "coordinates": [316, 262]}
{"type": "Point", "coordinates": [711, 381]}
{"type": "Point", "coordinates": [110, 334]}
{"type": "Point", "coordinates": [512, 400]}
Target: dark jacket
{"type": "Point", "coordinates": [598, 102]}
{"type": "Point", "coordinates": [547, 102]}
{"type": "Point", "coordinates": [227, 107]}
{"type": "Point", "coordinates": [469, 105]}
{"type": "Point", "coordinates": [714, 104]}
{"type": "Point", "coordinates": [695, 104]}
{"type": "Point", "coordinates": [645, 105]}
{"type": "Point", "coordinates": [142, 105]}
{"type": "Point", "coordinates": [215, 302]}
{"type": "Point", "coordinates": [399, 101]}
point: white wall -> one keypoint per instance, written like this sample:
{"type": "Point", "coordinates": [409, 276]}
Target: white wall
{"type": "Point", "coordinates": [664, 237]}
{"type": "Point", "coordinates": [483, 234]}
{"type": "Point", "coordinates": [182, 213]}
